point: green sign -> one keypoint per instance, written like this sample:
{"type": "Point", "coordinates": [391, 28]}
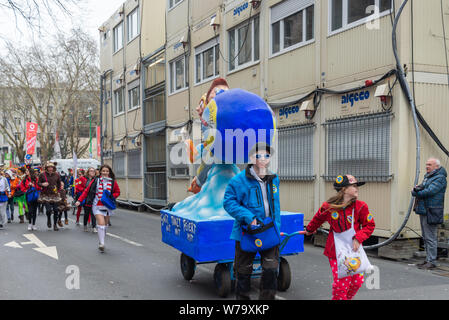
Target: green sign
{"type": "Point", "coordinates": [8, 156]}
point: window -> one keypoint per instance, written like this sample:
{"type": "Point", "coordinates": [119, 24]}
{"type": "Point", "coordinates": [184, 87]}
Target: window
{"type": "Point", "coordinates": [133, 24]}
{"type": "Point", "coordinates": [135, 164]}
{"type": "Point", "coordinates": [179, 74]}
{"type": "Point", "coordinates": [347, 13]}
{"type": "Point", "coordinates": [119, 164]}
{"type": "Point", "coordinates": [244, 44]}
{"type": "Point", "coordinates": [181, 169]}
{"type": "Point", "coordinates": [296, 153]}
{"type": "Point", "coordinates": [155, 107]}
{"type": "Point", "coordinates": [119, 103]}
{"type": "Point", "coordinates": [360, 146]}
{"type": "Point", "coordinates": [206, 61]}
{"type": "Point", "coordinates": [134, 97]}
{"type": "Point", "coordinates": [156, 71]}
{"type": "Point", "coordinates": [172, 3]}
{"type": "Point", "coordinates": [289, 31]}
{"type": "Point", "coordinates": [118, 37]}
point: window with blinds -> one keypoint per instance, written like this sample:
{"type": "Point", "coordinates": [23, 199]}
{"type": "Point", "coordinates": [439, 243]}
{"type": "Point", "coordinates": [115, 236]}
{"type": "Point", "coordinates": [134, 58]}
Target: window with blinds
{"type": "Point", "coordinates": [135, 164]}
{"type": "Point", "coordinates": [119, 164]}
{"type": "Point", "coordinates": [360, 146]}
{"type": "Point", "coordinates": [296, 153]}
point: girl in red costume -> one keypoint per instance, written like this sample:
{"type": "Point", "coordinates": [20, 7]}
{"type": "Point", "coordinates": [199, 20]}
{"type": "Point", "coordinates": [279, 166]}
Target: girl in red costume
{"type": "Point", "coordinates": [338, 212]}
{"type": "Point", "coordinates": [80, 185]}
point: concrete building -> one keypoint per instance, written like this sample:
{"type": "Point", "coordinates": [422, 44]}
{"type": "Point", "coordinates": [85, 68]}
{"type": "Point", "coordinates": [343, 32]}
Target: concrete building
{"type": "Point", "coordinates": [282, 50]}
{"type": "Point", "coordinates": [128, 58]}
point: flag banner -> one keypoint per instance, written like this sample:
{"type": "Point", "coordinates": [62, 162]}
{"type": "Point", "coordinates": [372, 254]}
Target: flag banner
{"type": "Point", "coordinates": [98, 141]}
{"type": "Point", "coordinates": [31, 134]}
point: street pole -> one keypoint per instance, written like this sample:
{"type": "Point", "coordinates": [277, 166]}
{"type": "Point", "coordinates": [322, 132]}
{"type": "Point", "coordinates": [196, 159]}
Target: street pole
{"type": "Point", "coordinates": [90, 132]}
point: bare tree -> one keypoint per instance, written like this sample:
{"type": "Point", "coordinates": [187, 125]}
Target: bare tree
{"type": "Point", "coordinates": [31, 11]}
{"type": "Point", "coordinates": [57, 85]}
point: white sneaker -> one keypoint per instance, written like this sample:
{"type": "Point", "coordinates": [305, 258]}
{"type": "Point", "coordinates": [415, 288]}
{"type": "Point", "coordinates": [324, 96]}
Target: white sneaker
{"type": "Point", "coordinates": [101, 247]}
{"type": "Point", "coordinates": [29, 227]}
{"type": "Point", "coordinates": [94, 230]}
{"type": "Point", "coordinates": [33, 228]}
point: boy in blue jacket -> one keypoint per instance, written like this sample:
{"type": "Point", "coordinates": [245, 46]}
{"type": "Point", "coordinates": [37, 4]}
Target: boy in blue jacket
{"type": "Point", "coordinates": [251, 196]}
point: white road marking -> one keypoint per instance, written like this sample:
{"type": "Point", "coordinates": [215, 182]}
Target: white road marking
{"type": "Point", "coordinates": [124, 239]}
{"type": "Point", "coordinates": [52, 252]}
{"type": "Point", "coordinates": [33, 240]}
{"type": "Point", "coordinates": [118, 237]}
{"type": "Point", "coordinates": [13, 244]}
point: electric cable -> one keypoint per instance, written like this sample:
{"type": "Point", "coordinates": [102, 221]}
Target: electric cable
{"type": "Point", "coordinates": [406, 89]}
{"type": "Point", "coordinates": [243, 43]}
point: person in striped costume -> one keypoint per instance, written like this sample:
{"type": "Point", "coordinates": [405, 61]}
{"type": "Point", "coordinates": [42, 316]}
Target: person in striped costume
{"type": "Point", "coordinates": [93, 194]}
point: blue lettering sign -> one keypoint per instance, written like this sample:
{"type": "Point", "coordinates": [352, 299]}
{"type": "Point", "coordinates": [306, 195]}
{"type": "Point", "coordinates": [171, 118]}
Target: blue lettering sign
{"type": "Point", "coordinates": [238, 10]}
{"type": "Point", "coordinates": [354, 97]}
{"type": "Point", "coordinates": [288, 110]}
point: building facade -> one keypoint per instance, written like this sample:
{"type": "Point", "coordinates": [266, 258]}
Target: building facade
{"type": "Point", "coordinates": [128, 48]}
{"type": "Point", "coordinates": [359, 122]}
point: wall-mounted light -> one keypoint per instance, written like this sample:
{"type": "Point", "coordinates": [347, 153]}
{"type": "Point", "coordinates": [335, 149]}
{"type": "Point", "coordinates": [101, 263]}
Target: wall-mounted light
{"type": "Point", "coordinates": [215, 22]}
{"type": "Point", "coordinates": [256, 3]}
{"type": "Point", "coordinates": [383, 92]}
{"type": "Point", "coordinates": [308, 108]}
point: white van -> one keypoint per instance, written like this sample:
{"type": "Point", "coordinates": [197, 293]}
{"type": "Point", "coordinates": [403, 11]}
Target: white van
{"type": "Point", "coordinates": [66, 164]}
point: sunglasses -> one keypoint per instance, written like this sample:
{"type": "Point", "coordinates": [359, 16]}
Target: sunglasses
{"type": "Point", "coordinates": [265, 156]}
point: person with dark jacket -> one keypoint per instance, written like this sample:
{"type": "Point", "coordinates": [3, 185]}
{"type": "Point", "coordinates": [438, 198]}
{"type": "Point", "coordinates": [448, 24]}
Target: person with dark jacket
{"type": "Point", "coordinates": [91, 175]}
{"type": "Point", "coordinates": [50, 183]}
{"type": "Point", "coordinates": [429, 205]}
{"type": "Point", "coordinates": [250, 197]}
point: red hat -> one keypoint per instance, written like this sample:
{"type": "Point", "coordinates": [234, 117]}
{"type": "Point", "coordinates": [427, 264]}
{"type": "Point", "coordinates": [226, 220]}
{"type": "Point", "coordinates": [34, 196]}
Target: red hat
{"type": "Point", "coordinates": [215, 83]}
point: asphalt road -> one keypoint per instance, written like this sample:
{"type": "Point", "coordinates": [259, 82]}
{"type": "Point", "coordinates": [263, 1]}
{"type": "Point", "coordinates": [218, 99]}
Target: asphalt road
{"type": "Point", "coordinates": [137, 265]}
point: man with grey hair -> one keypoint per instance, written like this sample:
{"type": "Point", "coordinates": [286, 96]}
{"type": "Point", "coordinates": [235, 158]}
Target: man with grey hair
{"type": "Point", "coordinates": [429, 206]}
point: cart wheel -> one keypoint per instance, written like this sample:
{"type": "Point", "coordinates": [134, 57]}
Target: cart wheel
{"type": "Point", "coordinates": [222, 279]}
{"type": "Point", "coordinates": [188, 266]}
{"type": "Point", "coordinates": [285, 276]}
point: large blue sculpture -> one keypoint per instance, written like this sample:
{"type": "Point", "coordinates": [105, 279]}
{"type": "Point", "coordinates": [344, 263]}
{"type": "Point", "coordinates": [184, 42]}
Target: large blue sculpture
{"type": "Point", "coordinates": [199, 226]}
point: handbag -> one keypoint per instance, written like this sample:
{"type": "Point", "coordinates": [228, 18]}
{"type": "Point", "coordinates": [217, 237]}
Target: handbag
{"type": "Point", "coordinates": [261, 237]}
{"type": "Point", "coordinates": [349, 262]}
{"type": "Point", "coordinates": [32, 194]}
{"type": "Point", "coordinates": [108, 199]}
{"type": "Point", "coordinates": [3, 197]}
{"type": "Point", "coordinates": [435, 215]}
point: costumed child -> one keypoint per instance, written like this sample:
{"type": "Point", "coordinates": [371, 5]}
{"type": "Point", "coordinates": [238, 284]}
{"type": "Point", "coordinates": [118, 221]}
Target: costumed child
{"type": "Point", "coordinates": [19, 194]}
{"type": "Point", "coordinates": [338, 212]}
{"type": "Point", "coordinates": [80, 185]}
{"type": "Point", "coordinates": [63, 206]}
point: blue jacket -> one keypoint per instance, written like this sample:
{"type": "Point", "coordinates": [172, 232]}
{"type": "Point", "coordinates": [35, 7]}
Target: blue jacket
{"type": "Point", "coordinates": [434, 188]}
{"type": "Point", "coordinates": [244, 202]}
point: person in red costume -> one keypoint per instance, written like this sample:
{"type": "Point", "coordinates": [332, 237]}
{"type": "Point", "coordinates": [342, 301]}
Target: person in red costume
{"type": "Point", "coordinates": [80, 185]}
{"type": "Point", "coordinates": [216, 86]}
{"type": "Point", "coordinates": [337, 211]}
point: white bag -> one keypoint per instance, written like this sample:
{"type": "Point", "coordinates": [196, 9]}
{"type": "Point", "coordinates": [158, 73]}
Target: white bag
{"type": "Point", "coordinates": [349, 262]}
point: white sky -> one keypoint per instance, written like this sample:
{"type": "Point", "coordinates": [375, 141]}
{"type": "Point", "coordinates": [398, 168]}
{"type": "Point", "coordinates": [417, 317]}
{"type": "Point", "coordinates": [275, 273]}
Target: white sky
{"type": "Point", "coordinates": [90, 15]}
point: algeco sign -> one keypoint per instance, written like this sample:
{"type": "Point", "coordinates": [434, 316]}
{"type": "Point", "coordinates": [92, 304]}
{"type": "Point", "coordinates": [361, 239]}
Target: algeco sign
{"type": "Point", "coordinates": [288, 110]}
{"type": "Point", "coordinates": [241, 8]}
{"type": "Point", "coordinates": [354, 97]}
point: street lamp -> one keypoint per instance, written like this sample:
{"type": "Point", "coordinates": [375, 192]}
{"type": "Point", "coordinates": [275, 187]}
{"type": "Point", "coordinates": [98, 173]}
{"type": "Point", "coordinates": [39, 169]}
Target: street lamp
{"type": "Point", "coordinates": [90, 131]}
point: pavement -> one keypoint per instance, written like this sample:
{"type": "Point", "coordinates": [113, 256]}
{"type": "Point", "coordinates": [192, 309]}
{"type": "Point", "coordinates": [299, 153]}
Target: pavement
{"type": "Point", "coordinates": [67, 265]}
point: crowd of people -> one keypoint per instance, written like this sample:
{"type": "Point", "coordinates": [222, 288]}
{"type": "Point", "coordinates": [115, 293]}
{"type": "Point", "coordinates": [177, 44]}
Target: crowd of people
{"type": "Point", "coordinates": [34, 190]}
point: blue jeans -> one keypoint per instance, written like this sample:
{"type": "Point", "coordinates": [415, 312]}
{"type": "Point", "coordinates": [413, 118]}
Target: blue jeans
{"type": "Point", "coordinates": [430, 236]}
{"type": "Point", "coordinates": [10, 208]}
